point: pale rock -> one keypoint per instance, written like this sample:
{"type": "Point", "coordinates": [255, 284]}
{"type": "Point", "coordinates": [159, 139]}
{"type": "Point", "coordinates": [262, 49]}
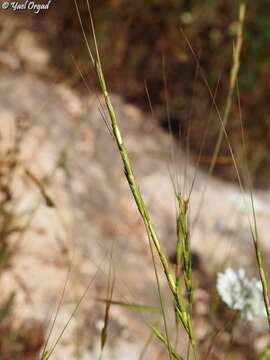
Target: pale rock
{"type": "Point", "coordinates": [30, 51]}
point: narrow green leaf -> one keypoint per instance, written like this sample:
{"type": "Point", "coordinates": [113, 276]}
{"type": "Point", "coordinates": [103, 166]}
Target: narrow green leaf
{"type": "Point", "coordinates": [157, 333]}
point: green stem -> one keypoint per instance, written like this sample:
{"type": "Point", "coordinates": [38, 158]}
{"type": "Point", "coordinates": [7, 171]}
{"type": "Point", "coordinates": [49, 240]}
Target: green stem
{"type": "Point", "coordinates": [233, 80]}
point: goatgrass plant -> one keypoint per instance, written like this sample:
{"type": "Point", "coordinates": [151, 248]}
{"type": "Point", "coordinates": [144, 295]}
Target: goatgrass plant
{"type": "Point", "coordinates": [182, 313]}
{"type": "Point", "coordinates": [233, 84]}
{"type": "Point", "coordinates": [182, 300]}
{"type": "Point", "coordinates": [183, 253]}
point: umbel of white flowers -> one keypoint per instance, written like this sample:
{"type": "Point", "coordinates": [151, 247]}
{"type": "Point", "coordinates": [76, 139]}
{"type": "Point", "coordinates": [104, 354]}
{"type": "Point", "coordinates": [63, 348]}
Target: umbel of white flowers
{"type": "Point", "coordinates": [241, 294]}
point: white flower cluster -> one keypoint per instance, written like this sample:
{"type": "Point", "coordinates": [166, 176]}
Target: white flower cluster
{"type": "Point", "coordinates": [241, 294]}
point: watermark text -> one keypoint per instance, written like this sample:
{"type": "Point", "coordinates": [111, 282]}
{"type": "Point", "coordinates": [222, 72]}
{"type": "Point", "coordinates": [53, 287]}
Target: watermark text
{"type": "Point", "coordinates": [26, 5]}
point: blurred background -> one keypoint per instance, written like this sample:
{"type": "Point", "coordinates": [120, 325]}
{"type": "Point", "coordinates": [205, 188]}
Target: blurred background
{"type": "Point", "coordinates": [64, 200]}
{"type": "Point", "coordinates": [141, 42]}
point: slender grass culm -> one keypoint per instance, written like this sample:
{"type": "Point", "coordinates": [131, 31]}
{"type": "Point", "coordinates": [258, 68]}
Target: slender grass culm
{"type": "Point", "coordinates": [223, 134]}
{"type": "Point", "coordinates": [228, 107]}
{"type": "Point", "coordinates": [183, 303]}
{"type": "Point", "coordinates": [232, 84]}
{"type": "Point", "coordinates": [183, 315]}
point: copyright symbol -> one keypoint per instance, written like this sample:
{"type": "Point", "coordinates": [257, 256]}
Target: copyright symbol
{"type": "Point", "coordinates": [5, 5]}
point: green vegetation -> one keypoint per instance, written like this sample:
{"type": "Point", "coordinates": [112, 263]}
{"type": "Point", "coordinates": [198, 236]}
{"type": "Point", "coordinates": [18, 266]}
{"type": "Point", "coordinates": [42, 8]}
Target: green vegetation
{"type": "Point", "coordinates": [182, 304]}
{"type": "Point", "coordinates": [174, 35]}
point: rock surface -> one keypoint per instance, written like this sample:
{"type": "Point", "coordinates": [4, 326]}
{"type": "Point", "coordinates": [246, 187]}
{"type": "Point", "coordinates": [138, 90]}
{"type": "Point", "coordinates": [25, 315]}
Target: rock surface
{"type": "Point", "coordinates": [66, 147]}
